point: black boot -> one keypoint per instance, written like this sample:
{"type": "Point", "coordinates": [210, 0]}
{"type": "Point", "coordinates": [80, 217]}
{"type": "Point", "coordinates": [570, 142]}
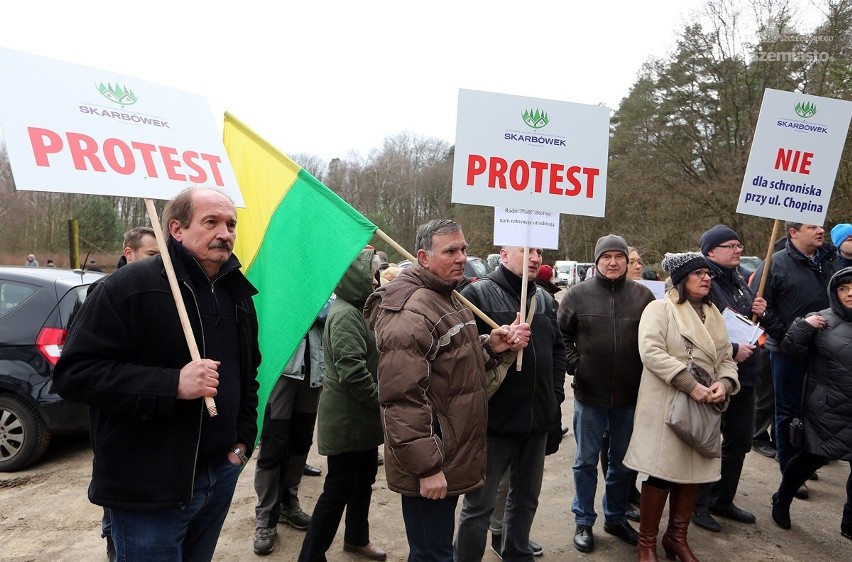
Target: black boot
{"type": "Point", "coordinates": [846, 523]}
{"type": "Point", "coordinates": [781, 509]}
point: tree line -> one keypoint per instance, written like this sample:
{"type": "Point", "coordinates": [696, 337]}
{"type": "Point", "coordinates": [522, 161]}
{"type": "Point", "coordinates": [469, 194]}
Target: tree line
{"type": "Point", "coordinates": [679, 145]}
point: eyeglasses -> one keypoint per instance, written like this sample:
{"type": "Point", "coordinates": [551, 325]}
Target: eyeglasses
{"type": "Point", "coordinates": [731, 246]}
{"type": "Point", "coordinates": [701, 273]}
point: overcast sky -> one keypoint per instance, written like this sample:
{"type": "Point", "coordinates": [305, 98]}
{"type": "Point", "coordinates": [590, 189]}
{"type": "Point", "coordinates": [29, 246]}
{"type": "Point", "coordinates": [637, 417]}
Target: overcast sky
{"type": "Point", "coordinates": [326, 77]}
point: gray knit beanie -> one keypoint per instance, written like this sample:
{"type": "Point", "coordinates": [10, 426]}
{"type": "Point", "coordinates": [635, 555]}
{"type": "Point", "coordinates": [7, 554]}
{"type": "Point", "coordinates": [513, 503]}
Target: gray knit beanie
{"type": "Point", "coordinates": [679, 265]}
{"type": "Point", "coordinates": [610, 243]}
{"type": "Point", "coordinates": [715, 236]}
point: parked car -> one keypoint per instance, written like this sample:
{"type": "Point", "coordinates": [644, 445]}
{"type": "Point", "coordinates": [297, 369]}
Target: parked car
{"type": "Point", "coordinates": [565, 272]}
{"type": "Point", "coordinates": [585, 270]}
{"type": "Point", "coordinates": [750, 263]}
{"type": "Point", "coordinates": [475, 267]}
{"type": "Point", "coordinates": [37, 306]}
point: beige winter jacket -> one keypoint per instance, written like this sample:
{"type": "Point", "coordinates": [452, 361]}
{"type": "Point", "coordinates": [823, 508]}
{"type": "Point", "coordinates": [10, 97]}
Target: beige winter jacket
{"type": "Point", "coordinates": [654, 449]}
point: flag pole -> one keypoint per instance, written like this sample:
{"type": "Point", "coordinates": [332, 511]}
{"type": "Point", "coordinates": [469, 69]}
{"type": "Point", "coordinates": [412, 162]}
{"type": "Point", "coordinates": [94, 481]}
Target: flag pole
{"type": "Point", "coordinates": [173, 284]}
{"type": "Point", "coordinates": [767, 262]}
{"type": "Point", "coordinates": [473, 308]}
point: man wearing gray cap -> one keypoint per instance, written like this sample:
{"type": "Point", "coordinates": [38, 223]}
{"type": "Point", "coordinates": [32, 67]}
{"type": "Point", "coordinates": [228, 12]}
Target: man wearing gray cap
{"type": "Point", "coordinates": [599, 320]}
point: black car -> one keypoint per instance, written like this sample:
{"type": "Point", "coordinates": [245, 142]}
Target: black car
{"type": "Point", "coordinates": [36, 307]}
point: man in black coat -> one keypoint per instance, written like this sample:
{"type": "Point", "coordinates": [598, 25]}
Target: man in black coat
{"type": "Point", "coordinates": [520, 412]}
{"type": "Point", "coordinates": [166, 470]}
{"type": "Point", "coordinates": [723, 249]}
{"type": "Point", "coordinates": [599, 320]}
{"type": "Point", "coordinates": [796, 284]}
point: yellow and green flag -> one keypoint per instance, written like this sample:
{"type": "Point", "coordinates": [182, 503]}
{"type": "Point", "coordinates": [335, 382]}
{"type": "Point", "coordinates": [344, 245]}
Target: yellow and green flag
{"type": "Point", "coordinates": [295, 239]}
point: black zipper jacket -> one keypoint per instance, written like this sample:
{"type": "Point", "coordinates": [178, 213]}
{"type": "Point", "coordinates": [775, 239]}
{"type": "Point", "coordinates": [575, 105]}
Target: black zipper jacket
{"type": "Point", "coordinates": [527, 401]}
{"type": "Point", "coordinates": [123, 357]}
{"type": "Point", "coordinates": [599, 319]}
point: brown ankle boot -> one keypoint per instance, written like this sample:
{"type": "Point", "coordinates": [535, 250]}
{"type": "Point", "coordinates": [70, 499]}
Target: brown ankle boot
{"type": "Point", "coordinates": [681, 504]}
{"type": "Point", "coordinates": [650, 511]}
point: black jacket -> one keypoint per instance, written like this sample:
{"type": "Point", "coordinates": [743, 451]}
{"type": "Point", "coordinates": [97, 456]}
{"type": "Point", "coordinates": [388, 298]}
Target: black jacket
{"type": "Point", "coordinates": [599, 320]}
{"type": "Point", "coordinates": [795, 286]}
{"type": "Point", "coordinates": [828, 386]}
{"type": "Point", "coordinates": [527, 401]}
{"type": "Point", "coordinates": [730, 290]}
{"type": "Point", "coordinates": [123, 357]}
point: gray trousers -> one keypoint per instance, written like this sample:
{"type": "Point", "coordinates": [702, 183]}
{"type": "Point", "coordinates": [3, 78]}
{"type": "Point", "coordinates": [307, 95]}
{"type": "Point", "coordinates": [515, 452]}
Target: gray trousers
{"type": "Point", "coordinates": [525, 456]}
{"type": "Point", "coordinates": [285, 440]}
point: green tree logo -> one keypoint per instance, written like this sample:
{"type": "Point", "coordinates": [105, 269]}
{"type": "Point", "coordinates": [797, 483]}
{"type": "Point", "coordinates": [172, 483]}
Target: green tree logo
{"type": "Point", "coordinates": [536, 118]}
{"type": "Point", "coordinates": [117, 94]}
{"type": "Point", "coordinates": [805, 110]}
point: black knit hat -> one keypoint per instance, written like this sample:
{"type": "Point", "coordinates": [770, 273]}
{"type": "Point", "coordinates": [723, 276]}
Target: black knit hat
{"type": "Point", "coordinates": [679, 265]}
{"type": "Point", "coordinates": [715, 236]}
{"type": "Point", "coordinates": [610, 243]}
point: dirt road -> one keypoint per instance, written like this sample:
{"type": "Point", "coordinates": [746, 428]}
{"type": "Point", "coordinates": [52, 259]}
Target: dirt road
{"type": "Point", "coordinates": [45, 516]}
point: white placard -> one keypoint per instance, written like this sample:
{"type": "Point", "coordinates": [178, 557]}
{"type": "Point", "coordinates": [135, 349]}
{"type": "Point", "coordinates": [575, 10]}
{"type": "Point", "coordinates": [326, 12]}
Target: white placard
{"type": "Point", "coordinates": [526, 227]}
{"type": "Point", "coordinates": [530, 153]}
{"type": "Point", "coordinates": [75, 129]}
{"type": "Point", "coordinates": [656, 287]}
{"type": "Point", "coordinates": [794, 157]}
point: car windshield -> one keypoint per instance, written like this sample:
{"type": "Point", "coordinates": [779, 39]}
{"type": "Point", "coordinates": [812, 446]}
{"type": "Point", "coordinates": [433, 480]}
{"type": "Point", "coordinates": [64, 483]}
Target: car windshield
{"type": "Point", "coordinates": [477, 267]}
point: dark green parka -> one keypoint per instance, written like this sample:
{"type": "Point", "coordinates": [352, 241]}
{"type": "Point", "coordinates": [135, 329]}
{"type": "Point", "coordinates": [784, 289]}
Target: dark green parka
{"type": "Point", "coordinates": [348, 417]}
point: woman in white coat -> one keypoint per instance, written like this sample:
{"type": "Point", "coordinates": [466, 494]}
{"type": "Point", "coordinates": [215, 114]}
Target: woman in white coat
{"type": "Point", "coordinates": [684, 323]}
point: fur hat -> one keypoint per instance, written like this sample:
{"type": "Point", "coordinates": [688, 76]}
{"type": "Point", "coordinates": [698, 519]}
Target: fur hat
{"type": "Point", "coordinates": [840, 233]}
{"type": "Point", "coordinates": [545, 272]}
{"type": "Point", "coordinates": [679, 265]}
{"type": "Point", "coordinates": [610, 243]}
{"type": "Point", "coordinates": [715, 236]}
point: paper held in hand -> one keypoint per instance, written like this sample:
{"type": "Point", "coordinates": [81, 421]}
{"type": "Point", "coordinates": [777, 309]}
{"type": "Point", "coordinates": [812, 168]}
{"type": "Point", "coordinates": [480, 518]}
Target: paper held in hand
{"type": "Point", "coordinates": [740, 328]}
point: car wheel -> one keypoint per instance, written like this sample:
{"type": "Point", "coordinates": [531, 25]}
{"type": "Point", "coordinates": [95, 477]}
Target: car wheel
{"type": "Point", "coordinates": [23, 434]}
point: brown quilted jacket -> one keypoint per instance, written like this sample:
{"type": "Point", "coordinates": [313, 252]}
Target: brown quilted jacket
{"type": "Point", "coordinates": [431, 383]}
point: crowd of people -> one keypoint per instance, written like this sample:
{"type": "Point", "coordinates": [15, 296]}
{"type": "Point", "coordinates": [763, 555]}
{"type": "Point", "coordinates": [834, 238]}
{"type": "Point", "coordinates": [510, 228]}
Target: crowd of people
{"type": "Point", "coordinates": [466, 406]}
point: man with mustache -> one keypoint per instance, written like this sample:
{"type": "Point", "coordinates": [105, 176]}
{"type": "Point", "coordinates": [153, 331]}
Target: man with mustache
{"type": "Point", "coordinates": [166, 470]}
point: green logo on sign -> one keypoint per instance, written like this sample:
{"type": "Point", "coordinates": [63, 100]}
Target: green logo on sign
{"type": "Point", "coordinates": [536, 118]}
{"type": "Point", "coordinates": [805, 110]}
{"type": "Point", "coordinates": [117, 94]}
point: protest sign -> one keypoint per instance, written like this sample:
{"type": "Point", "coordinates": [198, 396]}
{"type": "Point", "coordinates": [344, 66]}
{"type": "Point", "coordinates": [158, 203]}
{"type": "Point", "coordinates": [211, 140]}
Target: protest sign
{"type": "Point", "coordinates": [530, 153]}
{"type": "Point", "coordinates": [794, 156]}
{"type": "Point", "coordinates": [74, 129]}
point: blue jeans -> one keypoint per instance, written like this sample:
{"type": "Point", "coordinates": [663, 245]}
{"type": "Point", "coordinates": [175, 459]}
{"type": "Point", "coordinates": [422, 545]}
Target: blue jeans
{"type": "Point", "coordinates": [188, 534]}
{"type": "Point", "coordinates": [787, 379]}
{"type": "Point", "coordinates": [525, 456]}
{"type": "Point", "coordinates": [590, 422]}
{"type": "Point", "coordinates": [429, 526]}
